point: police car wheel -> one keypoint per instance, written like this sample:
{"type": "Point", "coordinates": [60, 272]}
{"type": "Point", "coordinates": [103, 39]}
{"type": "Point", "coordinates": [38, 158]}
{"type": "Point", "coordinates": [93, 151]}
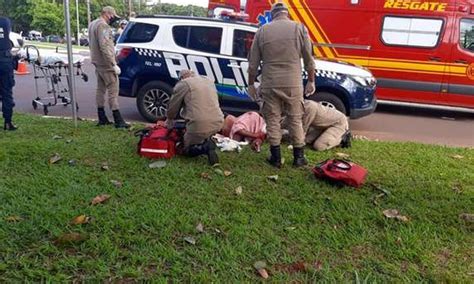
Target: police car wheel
{"type": "Point", "coordinates": [152, 100]}
{"type": "Point", "coordinates": [329, 100]}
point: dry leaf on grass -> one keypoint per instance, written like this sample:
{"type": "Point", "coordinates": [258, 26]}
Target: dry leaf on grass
{"type": "Point", "coordinates": [81, 219]}
{"type": "Point", "coordinates": [70, 238]}
{"type": "Point", "coordinates": [206, 176]}
{"type": "Point", "coordinates": [69, 141]}
{"type": "Point", "coordinates": [14, 218]}
{"type": "Point", "coordinates": [57, 137]}
{"type": "Point", "coordinates": [157, 165]}
{"type": "Point", "coordinates": [54, 159]}
{"type": "Point", "coordinates": [190, 240]}
{"type": "Point", "coordinates": [273, 178]}
{"type": "Point", "coordinates": [227, 173]}
{"type": "Point", "coordinates": [238, 190]}
{"type": "Point", "coordinates": [395, 214]}
{"type": "Point", "coordinates": [458, 157]}
{"type": "Point", "coordinates": [290, 229]}
{"type": "Point", "coordinates": [342, 155]}
{"type": "Point", "coordinates": [200, 228]}
{"type": "Point", "coordinates": [105, 167]}
{"type": "Point", "coordinates": [116, 183]}
{"type": "Point", "coordinates": [469, 218]}
{"type": "Point", "coordinates": [219, 172]}
{"type": "Point", "coordinates": [72, 163]}
{"type": "Point", "coordinates": [100, 199]}
{"type": "Point", "coordinates": [318, 265]}
{"type": "Point", "coordinates": [260, 267]}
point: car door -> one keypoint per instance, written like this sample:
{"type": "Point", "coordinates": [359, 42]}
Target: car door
{"type": "Point", "coordinates": [234, 66]}
{"type": "Point", "coordinates": [460, 91]}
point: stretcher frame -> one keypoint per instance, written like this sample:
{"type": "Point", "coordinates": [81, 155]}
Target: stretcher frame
{"type": "Point", "coordinates": [58, 93]}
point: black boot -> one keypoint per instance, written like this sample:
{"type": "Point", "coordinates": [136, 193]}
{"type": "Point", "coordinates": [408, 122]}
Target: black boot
{"type": "Point", "coordinates": [346, 141]}
{"type": "Point", "coordinates": [103, 120]}
{"type": "Point", "coordinates": [210, 148]}
{"type": "Point", "coordinates": [299, 159]}
{"type": "Point", "coordinates": [9, 126]}
{"type": "Point", "coordinates": [119, 122]}
{"type": "Point", "coordinates": [275, 158]}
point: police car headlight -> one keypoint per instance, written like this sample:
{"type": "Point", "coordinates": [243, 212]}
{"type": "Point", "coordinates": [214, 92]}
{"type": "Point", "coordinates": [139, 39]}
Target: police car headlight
{"type": "Point", "coordinates": [361, 80]}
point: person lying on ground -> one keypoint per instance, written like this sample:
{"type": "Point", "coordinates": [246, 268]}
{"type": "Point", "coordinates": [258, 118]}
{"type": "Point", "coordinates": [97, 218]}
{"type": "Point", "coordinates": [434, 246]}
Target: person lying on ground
{"type": "Point", "coordinates": [249, 127]}
{"type": "Point", "coordinates": [324, 127]}
{"type": "Point", "coordinates": [197, 96]}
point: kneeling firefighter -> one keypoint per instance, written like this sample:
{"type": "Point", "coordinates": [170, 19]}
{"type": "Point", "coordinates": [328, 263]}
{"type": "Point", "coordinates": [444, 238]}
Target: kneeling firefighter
{"type": "Point", "coordinates": [197, 96]}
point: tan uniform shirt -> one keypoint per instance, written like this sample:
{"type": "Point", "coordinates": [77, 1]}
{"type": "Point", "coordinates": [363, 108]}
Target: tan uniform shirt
{"type": "Point", "coordinates": [101, 45]}
{"type": "Point", "coordinates": [317, 118]}
{"type": "Point", "coordinates": [198, 97]}
{"type": "Point", "coordinates": [279, 47]}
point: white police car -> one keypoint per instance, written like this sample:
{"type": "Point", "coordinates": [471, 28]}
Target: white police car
{"type": "Point", "coordinates": [16, 40]}
{"type": "Point", "coordinates": [153, 49]}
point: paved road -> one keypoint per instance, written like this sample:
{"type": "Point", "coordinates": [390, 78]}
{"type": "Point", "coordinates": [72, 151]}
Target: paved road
{"type": "Point", "coordinates": [387, 123]}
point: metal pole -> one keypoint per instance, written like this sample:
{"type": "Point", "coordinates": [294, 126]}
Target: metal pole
{"type": "Point", "coordinates": [78, 42]}
{"type": "Point", "coordinates": [129, 7]}
{"type": "Point", "coordinates": [88, 13]}
{"type": "Point", "coordinates": [70, 82]}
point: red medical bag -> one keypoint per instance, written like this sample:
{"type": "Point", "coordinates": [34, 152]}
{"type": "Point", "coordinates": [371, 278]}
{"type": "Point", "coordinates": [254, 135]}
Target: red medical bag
{"type": "Point", "coordinates": [341, 171]}
{"type": "Point", "coordinates": [158, 142]}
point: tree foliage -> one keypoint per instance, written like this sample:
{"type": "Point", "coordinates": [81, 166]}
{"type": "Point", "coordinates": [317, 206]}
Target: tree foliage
{"type": "Point", "coordinates": [47, 16]}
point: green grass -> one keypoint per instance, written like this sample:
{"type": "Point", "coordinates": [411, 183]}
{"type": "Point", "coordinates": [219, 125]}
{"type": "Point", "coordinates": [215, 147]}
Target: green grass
{"type": "Point", "coordinates": [52, 45]}
{"type": "Point", "coordinates": [139, 233]}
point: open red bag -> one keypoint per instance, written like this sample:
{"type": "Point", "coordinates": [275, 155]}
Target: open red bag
{"type": "Point", "coordinates": [341, 171]}
{"type": "Point", "coordinates": [158, 142]}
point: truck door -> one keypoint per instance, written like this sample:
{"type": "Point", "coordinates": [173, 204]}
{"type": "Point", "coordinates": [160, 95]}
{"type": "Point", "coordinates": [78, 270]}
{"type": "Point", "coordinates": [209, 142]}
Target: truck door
{"type": "Point", "coordinates": [409, 54]}
{"type": "Point", "coordinates": [460, 91]}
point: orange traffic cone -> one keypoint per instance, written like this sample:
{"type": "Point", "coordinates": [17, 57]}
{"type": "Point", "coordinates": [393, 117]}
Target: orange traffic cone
{"type": "Point", "coordinates": [22, 68]}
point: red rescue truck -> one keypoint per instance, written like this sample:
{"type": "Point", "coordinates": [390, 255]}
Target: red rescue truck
{"type": "Point", "coordinates": [420, 51]}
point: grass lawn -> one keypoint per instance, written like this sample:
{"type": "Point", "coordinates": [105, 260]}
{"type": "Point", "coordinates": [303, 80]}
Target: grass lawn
{"type": "Point", "coordinates": [52, 45]}
{"type": "Point", "coordinates": [303, 228]}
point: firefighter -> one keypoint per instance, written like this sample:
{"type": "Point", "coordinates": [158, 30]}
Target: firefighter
{"type": "Point", "coordinates": [7, 80]}
{"type": "Point", "coordinates": [197, 96]}
{"type": "Point", "coordinates": [101, 45]}
{"type": "Point", "coordinates": [278, 47]}
{"type": "Point", "coordinates": [325, 127]}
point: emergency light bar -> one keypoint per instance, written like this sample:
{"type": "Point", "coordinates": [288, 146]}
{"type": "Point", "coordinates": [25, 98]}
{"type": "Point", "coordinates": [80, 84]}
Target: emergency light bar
{"type": "Point", "coordinates": [233, 16]}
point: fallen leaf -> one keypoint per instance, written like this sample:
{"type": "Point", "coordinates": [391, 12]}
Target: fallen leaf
{"type": "Point", "coordinates": [219, 172]}
{"type": "Point", "coordinates": [217, 165]}
{"type": "Point", "coordinates": [100, 199]}
{"type": "Point", "coordinates": [157, 165]}
{"type": "Point", "coordinates": [105, 167]}
{"type": "Point", "coordinates": [206, 176]}
{"type": "Point", "coordinates": [273, 178]}
{"type": "Point", "coordinates": [116, 183]}
{"type": "Point", "coordinates": [376, 198]}
{"type": "Point", "coordinates": [190, 240]}
{"type": "Point", "coordinates": [260, 267]}
{"type": "Point", "coordinates": [282, 161]}
{"type": "Point", "coordinates": [318, 265]}
{"type": "Point", "coordinates": [69, 141]}
{"type": "Point", "coordinates": [395, 214]}
{"type": "Point", "coordinates": [290, 228]}
{"type": "Point", "coordinates": [57, 137]}
{"type": "Point", "coordinates": [81, 219]}
{"type": "Point", "coordinates": [398, 241]}
{"type": "Point", "coordinates": [217, 231]}
{"type": "Point", "coordinates": [459, 157]}
{"type": "Point", "coordinates": [54, 159]}
{"type": "Point", "coordinates": [227, 173]}
{"type": "Point", "coordinates": [342, 155]}
{"type": "Point", "coordinates": [69, 238]}
{"type": "Point", "coordinates": [467, 217]}
{"type": "Point", "coordinates": [238, 190]}
{"type": "Point", "coordinates": [14, 218]}
{"type": "Point", "coordinates": [200, 228]}
{"type": "Point", "coordinates": [72, 163]}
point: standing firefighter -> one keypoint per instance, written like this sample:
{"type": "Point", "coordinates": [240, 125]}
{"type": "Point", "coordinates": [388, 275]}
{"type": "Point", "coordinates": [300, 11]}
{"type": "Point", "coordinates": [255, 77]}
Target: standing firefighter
{"type": "Point", "coordinates": [197, 96]}
{"type": "Point", "coordinates": [101, 44]}
{"type": "Point", "coordinates": [278, 48]}
{"type": "Point", "coordinates": [7, 81]}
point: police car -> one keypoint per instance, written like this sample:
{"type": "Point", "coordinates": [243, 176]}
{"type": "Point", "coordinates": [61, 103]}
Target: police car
{"type": "Point", "coordinates": [153, 49]}
{"type": "Point", "coordinates": [16, 40]}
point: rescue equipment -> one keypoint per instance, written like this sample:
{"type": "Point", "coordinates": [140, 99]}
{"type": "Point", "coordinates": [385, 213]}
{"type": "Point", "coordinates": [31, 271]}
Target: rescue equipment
{"type": "Point", "coordinates": [341, 171]}
{"type": "Point", "coordinates": [158, 142]}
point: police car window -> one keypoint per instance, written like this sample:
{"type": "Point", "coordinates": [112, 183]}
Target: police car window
{"type": "Point", "coordinates": [205, 39]}
{"type": "Point", "coordinates": [242, 43]}
{"type": "Point", "coordinates": [417, 32]}
{"type": "Point", "coordinates": [467, 34]}
{"type": "Point", "coordinates": [138, 33]}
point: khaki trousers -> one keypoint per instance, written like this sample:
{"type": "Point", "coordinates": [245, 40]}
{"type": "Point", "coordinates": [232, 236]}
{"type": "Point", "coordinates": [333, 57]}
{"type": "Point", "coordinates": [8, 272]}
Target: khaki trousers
{"type": "Point", "coordinates": [107, 81]}
{"type": "Point", "coordinates": [325, 139]}
{"type": "Point", "coordinates": [277, 101]}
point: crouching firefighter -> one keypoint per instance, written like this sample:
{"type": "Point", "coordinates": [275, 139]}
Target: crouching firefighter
{"type": "Point", "coordinates": [197, 96]}
{"type": "Point", "coordinates": [7, 81]}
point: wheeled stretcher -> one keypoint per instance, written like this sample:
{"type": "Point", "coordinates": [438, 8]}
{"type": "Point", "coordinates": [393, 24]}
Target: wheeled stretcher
{"type": "Point", "coordinates": [52, 67]}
